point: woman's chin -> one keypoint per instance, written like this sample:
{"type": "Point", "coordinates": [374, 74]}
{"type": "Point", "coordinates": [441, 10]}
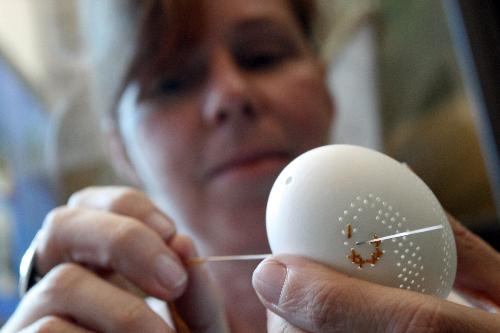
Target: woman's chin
{"type": "Point", "coordinates": [247, 184]}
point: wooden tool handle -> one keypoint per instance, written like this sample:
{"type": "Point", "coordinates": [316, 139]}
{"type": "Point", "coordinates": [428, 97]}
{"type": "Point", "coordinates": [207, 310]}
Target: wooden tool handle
{"type": "Point", "coordinates": [179, 324]}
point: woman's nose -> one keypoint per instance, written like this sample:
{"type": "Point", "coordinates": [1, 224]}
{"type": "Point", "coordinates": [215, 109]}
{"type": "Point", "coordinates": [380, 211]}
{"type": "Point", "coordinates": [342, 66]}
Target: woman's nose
{"type": "Point", "coordinates": [229, 94]}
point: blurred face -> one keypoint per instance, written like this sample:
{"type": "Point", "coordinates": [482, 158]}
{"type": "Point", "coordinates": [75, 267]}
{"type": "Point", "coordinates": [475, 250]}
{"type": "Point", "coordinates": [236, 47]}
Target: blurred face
{"type": "Point", "coordinates": [212, 134]}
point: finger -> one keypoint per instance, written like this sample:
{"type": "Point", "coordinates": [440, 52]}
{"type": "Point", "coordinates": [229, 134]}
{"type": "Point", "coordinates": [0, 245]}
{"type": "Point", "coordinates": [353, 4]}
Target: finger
{"type": "Point", "coordinates": [106, 241]}
{"type": "Point", "coordinates": [52, 324]}
{"type": "Point", "coordinates": [125, 201]}
{"type": "Point", "coordinates": [478, 265]}
{"type": "Point", "coordinates": [200, 306]}
{"type": "Point", "coordinates": [317, 299]}
{"type": "Point", "coordinates": [70, 291]}
{"type": "Point", "coordinates": [276, 324]}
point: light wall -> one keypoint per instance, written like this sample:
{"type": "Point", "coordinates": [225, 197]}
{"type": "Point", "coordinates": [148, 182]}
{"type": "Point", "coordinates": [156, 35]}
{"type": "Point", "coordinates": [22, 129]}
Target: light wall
{"type": "Point", "coordinates": [18, 40]}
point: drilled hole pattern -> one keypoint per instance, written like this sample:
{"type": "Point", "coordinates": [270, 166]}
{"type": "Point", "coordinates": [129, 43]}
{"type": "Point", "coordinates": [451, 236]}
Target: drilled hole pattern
{"type": "Point", "coordinates": [444, 279]}
{"type": "Point", "coordinates": [409, 261]}
{"type": "Point", "coordinates": [448, 242]}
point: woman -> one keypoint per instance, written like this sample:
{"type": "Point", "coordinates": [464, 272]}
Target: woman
{"type": "Point", "coordinates": [219, 97]}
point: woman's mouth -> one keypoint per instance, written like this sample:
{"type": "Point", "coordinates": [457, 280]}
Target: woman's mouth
{"type": "Point", "coordinates": [252, 167]}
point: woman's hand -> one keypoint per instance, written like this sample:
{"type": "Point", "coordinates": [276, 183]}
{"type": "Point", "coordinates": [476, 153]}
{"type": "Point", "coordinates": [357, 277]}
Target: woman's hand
{"type": "Point", "coordinates": [93, 250]}
{"type": "Point", "coordinates": [304, 296]}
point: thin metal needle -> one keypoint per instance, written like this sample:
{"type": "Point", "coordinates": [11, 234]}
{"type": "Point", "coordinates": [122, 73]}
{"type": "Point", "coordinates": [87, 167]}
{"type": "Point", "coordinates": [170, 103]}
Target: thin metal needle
{"type": "Point", "coordinates": [201, 260]}
{"type": "Point", "coordinates": [401, 234]}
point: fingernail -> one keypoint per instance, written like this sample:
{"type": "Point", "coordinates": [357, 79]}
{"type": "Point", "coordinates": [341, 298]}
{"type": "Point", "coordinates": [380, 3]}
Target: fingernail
{"type": "Point", "coordinates": [161, 224]}
{"type": "Point", "coordinates": [268, 280]}
{"type": "Point", "coordinates": [169, 273]}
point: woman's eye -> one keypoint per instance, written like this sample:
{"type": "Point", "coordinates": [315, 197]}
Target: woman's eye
{"type": "Point", "coordinates": [171, 86]}
{"type": "Point", "coordinates": [176, 85]}
{"type": "Point", "coordinates": [262, 60]}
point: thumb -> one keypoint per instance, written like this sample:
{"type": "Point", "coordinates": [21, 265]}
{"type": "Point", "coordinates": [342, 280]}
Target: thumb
{"type": "Point", "coordinates": [200, 306]}
{"type": "Point", "coordinates": [478, 273]}
{"type": "Point", "coordinates": [315, 298]}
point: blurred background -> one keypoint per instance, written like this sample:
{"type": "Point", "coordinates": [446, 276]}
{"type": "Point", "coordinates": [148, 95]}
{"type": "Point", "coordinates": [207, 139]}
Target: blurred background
{"type": "Point", "coordinates": [415, 79]}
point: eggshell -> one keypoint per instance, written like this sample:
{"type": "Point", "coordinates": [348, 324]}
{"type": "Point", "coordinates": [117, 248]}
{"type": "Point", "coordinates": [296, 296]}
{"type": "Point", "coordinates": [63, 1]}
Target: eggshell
{"type": "Point", "coordinates": [330, 197]}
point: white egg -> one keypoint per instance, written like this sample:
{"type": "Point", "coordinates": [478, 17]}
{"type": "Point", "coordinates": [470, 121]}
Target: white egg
{"type": "Point", "coordinates": [329, 198]}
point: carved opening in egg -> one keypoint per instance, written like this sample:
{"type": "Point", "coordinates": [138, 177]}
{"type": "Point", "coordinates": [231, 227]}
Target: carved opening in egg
{"type": "Point", "coordinates": [357, 259]}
